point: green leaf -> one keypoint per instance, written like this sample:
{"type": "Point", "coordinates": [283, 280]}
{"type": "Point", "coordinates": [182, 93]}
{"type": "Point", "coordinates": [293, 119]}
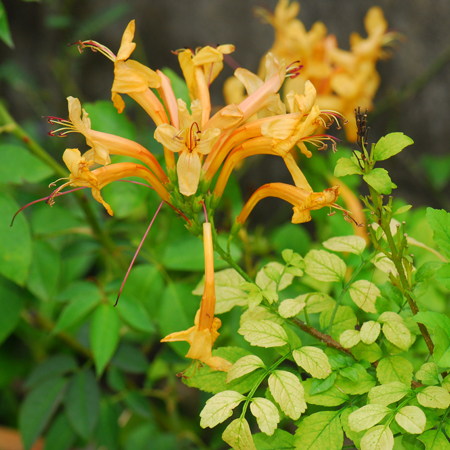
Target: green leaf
{"type": "Point", "coordinates": [129, 359]}
{"type": "Point", "coordinates": [104, 335]}
{"type": "Point", "coordinates": [288, 392]}
{"type": "Point", "coordinates": [238, 435]}
{"type": "Point", "coordinates": [370, 332]}
{"type": "Point", "coordinates": [313, 360]}
{"type": "Point", "coordinates": [378, 438]}
{"type": "Point", "coordinates": [434, 397]}
{"type": "Point", "coordinates": [428, 373]}
{"type": "Point", "coordinates": [218, 408]}
{"type": "Point", "coordinates": [324, 266]}
{"type": "Point", "coordinates": [60, 436]}
{"type": "Point", "coordinates": [228, 293]}
{"type": "Point", "coordinates": [319, 386]}
{"type": "Point", "coordinates": [380, 181]}
{"type": "Point", "coordinates": [367, 416]}
{"type": "Point", "coordinates": [370, 352]}
{"type": "Point", "coordinates": [394, 368]}
{"type": "Point", "coordinates": [263, 333]}
{"type": "Point", "coordinates": [243, 366]}
{"type": "Point", "coordinates": [435, 440]}
{"type": "Point", "coordinates": [135, 315]}
{"type": "Point", "coordinates": [390, 145]}
{"type": "Point", "coordinates": [442, 347]}
{"type": "Point", "coordinates": [44, 271]}
{"type": "Point", "coordinates": [410, 442]}
{"type": "Point", "coordinates": [439, 221]}
{"type": "Point", "coordinates": [280, 440]}
{"type": "Point", "coordinates": [364, 294]}
{"type": "Point", "coordinates": [77, 310]}
{"type": "Point", "coordinates": [443, 275]}
{"type": "Point", "coordinates": [215, 381]}
{"type": "Point", "coordinates": [179, 86]}
{"type": "Point", "coordinates": [349, 244]}
{"type": "Point", "coordinates": [363, 383]}
{"type": "Point", "coordinates": [5, 34]}
{"type": "Point", "coordinates": [320, 431]}
{"type": "Point", "coordinates": [20, 166]}
{"type": "Point", "coordinates": [266, 414]}
{"type": "Point", "coordinates": [401, 210]}
{"type": "Point", "coordinates": [344, 319]}
{"type": "Point", "coordinates": [124, 198]}
{"type": "Point", "coordinates": [432, 320]}
{"type": "Point", "coordinates": [187, 254]}
{"type": "Point", "coordinates": [53, 367]}
{"type": "Point", "coordinates": [388, 393]}
{"type": "Point", "coordinates": [276, 269]}
{"type": "Point", "coordinates": [104, 117]}
{"type": "Point", "coordinates": [107, 433]}
{"type": "Point", "coordinates": [349, 338]}
{"type": "Point", "coordinates": [15, 242]}
{"type": "Point", "coordinates": [347, 166]}
{"type": "Point", "coordinates": [398, 334]}
{"type": "Point", "coordinates": [412, 419]}
{"type": "Point", "coordinates": [38, 408]}
{"type": "Point", "coordinates": [316, 302]}
{"type": "Point", "coordinates": [11, 303]}
{"type": "Point", "coordinates": [355, 437]}
{"type": "Point", "coordinates": [291, 307]}
{"type": "Point", "coordinates": [82, 403]}
{"type": "Point", "coordinates": [331, 397]}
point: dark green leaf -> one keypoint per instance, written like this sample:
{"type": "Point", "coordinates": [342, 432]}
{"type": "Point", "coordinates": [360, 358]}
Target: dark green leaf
{"type": "Point", "coordinates": [390, 145]}
{"type": "Point", "coordinates": [318, 386]}
{"type": "Point", "coordinates": [108, 427]}
{"type": "Point", "coordinates": [124, 198]}
{"type": "Point", "coordinates": [60, 435]}
{"type": "Point", "coordinates": [129, 359]}
{"type": "Point", "coordinates": [38, 408]}
{"type": "Point", "coordinates": [44, 271]}
{"type": "Point", "coordinates": [291, 236]}
{"type": "Point", "coordinates": [15, 242]}
{"type": "Point", "coordinates": [135, 315]}
{"type": "Point", "coordinates": [443, 275]}
{"type": "Point", "coordinates": [5, 34]}
{"type": "Point", "coordinates": [138, 404]}
{"type": "Point", "coordinates": [380, 180]}
{"type": "Point", "coordinates": [57, 220]}
{"type": "Point", "coordinates": [55, 366]}
{"type": "Point", "coordinates": [11, 303]}
{"type": "Point", "coordinates": [428, 270]}
{"type": "Point", "coordinates": [82, 403]}
{"type": "Point", "coordinates": [104, 335]}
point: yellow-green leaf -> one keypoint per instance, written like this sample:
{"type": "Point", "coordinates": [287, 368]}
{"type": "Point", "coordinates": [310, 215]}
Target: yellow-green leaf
{"type": "Point", "coordinates": [266, 414]}
{"type": "Point", "coordinates": [370, 332]}
{"type": "Point", "coordinates": [412, 419]}
{"type": "Point", "coordinates": [350, 244]}
{"type": "Point", "coordinates": [367, 416]}
{"type": "Point", "coordinates": [388, 393]}
{"type": "Point", "coordinates": [238, 435]}
{"type": "Point", "coordinates": [313, 360]}
{"type": "Point", "coordinates": [288, 392]}
{"type": "Point", "coordinates": [398, 334]}
{"type": "Point", "coordinates": [395, 368]}
{"type": "Point", "coordinates": [378, 438]}
{"type": "Point", "coordinates": [434, 397]}
{"type": "Point", "coordinates": [263, 333]}
{"type": "Point", "coordinates": [364, 294]}
{"type": "Point", "coordinates": [324, 266]}
{"type": "Point", "coordinates": [243, 366]}
{"type": "Point", "coordinates": [219, 408]}
{"type": "Point", "coordinates": [349, 338]}
{"type": "Point", "coordinates": [291, 307]}
{"type": "Point", "coordinates": [264, 282]}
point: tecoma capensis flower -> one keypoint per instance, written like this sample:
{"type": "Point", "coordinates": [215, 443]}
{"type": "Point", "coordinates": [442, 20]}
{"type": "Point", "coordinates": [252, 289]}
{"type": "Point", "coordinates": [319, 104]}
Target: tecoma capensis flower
{"type": "Point", "coordinates": [190, 141]}
{"type": "Point", "coordinates": [203, 334]}
{"type": "Point", "coordinates": [344, 79]}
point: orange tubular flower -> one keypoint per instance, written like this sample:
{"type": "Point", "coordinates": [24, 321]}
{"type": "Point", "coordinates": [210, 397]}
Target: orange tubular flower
{"type": "Point", "coordinates": [203, 334]}
{"type": "Point", "coordinates": [304, 201]}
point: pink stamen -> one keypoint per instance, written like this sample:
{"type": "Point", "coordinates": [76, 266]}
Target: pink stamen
{"type": "Point", "coordinates": [293, 69]}
{"type": "Point", "coordinates": [137, 252]}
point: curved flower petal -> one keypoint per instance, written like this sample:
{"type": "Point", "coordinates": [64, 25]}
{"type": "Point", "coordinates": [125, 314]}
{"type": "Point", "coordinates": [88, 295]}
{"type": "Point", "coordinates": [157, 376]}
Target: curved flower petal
{"type": "Point", "coordinates": [188, 170]}
{"type": "Point", "coordinates": [170, 137]}
{"type": "Point", "coordinates": [207, 140]}
{"type": "Point", "coordinates": [127, 45]}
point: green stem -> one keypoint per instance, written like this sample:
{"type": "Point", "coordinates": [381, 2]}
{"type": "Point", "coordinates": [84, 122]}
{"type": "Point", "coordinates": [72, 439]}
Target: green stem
{"type": "Point", "coordinates": [11, 126]}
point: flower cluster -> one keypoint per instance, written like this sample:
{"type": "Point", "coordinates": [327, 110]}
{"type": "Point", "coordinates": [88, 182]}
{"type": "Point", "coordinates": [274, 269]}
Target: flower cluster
{"type": "Point", "coordinates": [344, 79]}
{"type": "Point", "coordinates": [205, 145]}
